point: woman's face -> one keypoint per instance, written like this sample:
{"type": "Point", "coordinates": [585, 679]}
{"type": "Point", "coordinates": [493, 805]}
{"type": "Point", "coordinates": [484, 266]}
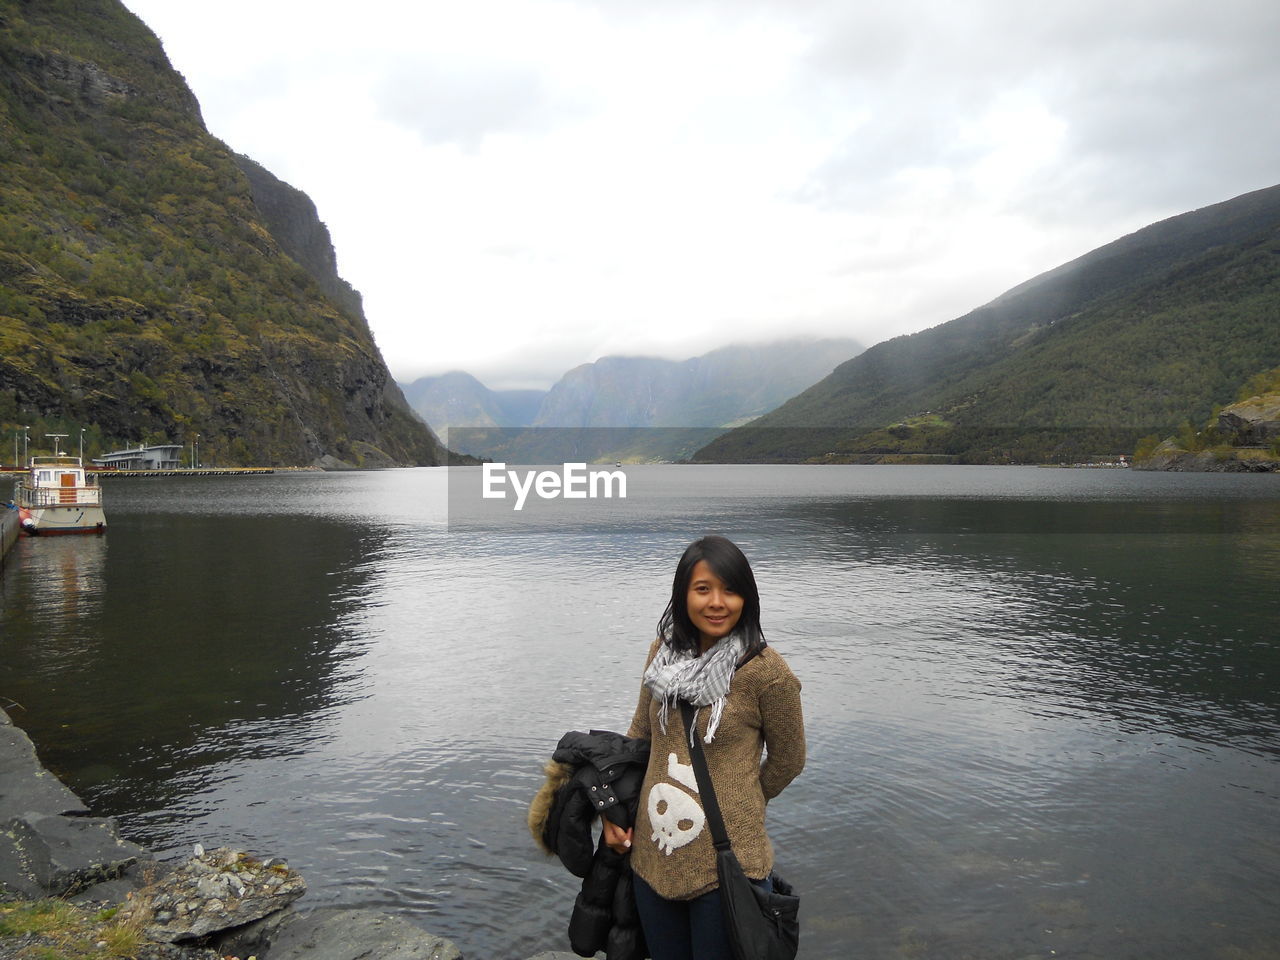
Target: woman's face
{"type": "Point", "coordinates": [713, 607]}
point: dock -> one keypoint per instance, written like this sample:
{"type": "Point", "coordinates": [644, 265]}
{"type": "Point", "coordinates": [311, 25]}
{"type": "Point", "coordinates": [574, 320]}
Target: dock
{"type": "Point", "coordinates": [185, 472]}
{"type": "Point", "coordinates": [10, 527]}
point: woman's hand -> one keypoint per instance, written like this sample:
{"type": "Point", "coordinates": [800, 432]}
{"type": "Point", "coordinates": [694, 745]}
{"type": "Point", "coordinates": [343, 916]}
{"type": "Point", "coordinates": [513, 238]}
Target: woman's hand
{"type": "Point", "coordinates": [615, 838]}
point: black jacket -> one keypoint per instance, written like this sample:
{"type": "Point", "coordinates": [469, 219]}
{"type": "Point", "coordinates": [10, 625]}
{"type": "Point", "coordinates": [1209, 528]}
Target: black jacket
{"type": "Point", "coordinates": [608, 770]}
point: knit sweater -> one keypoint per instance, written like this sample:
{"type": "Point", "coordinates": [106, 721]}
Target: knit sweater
{"type": "Point", "coordinates": [671, 847]}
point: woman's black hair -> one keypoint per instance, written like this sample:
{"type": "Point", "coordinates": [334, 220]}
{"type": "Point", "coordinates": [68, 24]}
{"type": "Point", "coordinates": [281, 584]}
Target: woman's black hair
{"type": "Point", "coordinates": [730, 565]}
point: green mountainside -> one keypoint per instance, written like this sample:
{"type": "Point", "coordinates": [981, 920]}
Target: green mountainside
{"type": "Point", "coordinates": [1078, 363]}
{"type": "Point", "coordinates": [1242, 437]}
{"type": "Point", "coordinates": [154, 285]}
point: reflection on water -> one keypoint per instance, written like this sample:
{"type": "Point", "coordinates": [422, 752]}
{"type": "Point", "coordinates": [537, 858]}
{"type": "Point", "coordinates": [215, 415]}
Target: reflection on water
{"type": "Point", "coordinates": [1043, 704]}
{"type": "Point", "coordinates": [150, 669]}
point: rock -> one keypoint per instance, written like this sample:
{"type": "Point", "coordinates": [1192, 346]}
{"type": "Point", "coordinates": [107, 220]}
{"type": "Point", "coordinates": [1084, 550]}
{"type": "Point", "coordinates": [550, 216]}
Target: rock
{"type": "Point", "coordinates": [25, 785]}
{"type": "Point", "coordinates": [16, 880]}
{"type": "Point", "coordinates": [121, 888]}
{"type": "Point", "coordinates": [253, 939]}
{"type": "Point", "coordinates": [1169, 456]}
{"type": "Point", "coordinates": [371, 457]}
{"type": "Point", "coordinates": [329, 462]}
{"type": "Point", "coordinates": [62, 856]}
{"type": "Point", "coordinates": [337, 933]}
{"type": "Point", "coordinates": [47, 847]}
{"type": "Point", "coordinates": [218, 891]}
{"type": "Point", "coordinates": [1255, 421]}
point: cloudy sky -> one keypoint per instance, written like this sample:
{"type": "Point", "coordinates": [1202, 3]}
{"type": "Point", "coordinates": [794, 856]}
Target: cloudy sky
{"type": "Point", "coordinates": [520, 186]}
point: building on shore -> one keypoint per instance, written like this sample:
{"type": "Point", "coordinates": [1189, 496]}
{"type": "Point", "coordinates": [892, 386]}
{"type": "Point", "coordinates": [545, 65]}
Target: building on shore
{"type": "Point", "coordinates": [160, 457]}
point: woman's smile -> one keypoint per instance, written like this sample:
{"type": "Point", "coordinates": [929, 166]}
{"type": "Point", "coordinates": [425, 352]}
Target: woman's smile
{"type": "Point", "coordinates": [713, 607]}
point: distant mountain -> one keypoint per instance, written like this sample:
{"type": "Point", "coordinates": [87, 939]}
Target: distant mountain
{"type": "Point", "coordinates": [459, 399]}
{"type": "Point", "coordinates": [640, 408]}
{"type": "Point", "coordinates": [153, 284]}
{"type": "Point", "coordinates": [1076, 363]}
{"type": "Point", "coordinates": [718, 389]}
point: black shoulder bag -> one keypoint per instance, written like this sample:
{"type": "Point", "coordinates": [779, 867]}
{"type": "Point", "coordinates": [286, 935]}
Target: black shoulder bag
{"type": "Point", "coordinates": [761, 925]}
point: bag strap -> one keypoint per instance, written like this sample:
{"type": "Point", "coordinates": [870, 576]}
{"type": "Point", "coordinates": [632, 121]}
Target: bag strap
{"type": "Point", "coordinates": [710, 805]}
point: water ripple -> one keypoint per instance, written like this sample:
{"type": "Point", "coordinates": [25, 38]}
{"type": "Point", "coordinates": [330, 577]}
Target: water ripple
{"type": "Point", "coordinates": [1042, 705]}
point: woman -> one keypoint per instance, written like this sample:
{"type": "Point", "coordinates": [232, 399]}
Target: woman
{"type": "Point", "coordinates": [711, 653]}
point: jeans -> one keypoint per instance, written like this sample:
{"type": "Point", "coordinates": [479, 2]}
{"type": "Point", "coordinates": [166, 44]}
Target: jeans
{"type": "Point", "coordinates": [685, 929]}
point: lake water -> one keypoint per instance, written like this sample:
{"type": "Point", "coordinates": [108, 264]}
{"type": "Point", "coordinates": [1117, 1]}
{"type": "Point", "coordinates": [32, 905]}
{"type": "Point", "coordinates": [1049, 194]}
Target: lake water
{"type": "Point", "coordinates": [1043, 705]}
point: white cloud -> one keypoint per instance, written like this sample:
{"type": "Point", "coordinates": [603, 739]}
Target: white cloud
{"type": "Point", "coordinates": [518, 186]}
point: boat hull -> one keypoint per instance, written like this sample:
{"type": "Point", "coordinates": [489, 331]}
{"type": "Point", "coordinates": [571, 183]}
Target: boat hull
{"type": "Point", "coordinates": [63, 519]}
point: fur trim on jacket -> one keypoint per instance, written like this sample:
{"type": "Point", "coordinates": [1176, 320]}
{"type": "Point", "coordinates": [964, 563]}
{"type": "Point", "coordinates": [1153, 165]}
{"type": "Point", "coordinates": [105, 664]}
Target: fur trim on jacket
{"type": "Point", "coordinates": [594, 774]}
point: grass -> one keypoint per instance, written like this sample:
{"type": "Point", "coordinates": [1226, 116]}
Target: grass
{"type": "Point", "coordinates": [64, 931]}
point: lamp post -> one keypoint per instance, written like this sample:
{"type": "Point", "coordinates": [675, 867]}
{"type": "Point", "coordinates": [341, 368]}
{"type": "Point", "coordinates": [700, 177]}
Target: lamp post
{"type": "Point", "coordinates": [82, 446]}
{"type": "Point", "coordinates": [26, 435]}
{"type": "Point", "coordinates": [197, 450]}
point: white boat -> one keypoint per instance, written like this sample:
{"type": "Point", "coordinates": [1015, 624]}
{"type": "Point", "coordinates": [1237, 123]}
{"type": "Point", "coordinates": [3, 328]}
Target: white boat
{"type": "Point", "coordinates": [57, 496]}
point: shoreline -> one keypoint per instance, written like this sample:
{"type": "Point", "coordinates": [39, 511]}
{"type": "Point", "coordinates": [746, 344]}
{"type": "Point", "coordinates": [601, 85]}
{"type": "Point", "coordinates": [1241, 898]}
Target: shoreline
{"type": "Point", "coordinates": [177, 472]}
{"type": "Point", "coordinates": [10, 528]}
{"type": "Point", "coordinates": [52, 848]}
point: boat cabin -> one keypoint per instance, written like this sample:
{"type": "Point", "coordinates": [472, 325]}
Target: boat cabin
{"type": "Point", "coordinates": [57, 472]}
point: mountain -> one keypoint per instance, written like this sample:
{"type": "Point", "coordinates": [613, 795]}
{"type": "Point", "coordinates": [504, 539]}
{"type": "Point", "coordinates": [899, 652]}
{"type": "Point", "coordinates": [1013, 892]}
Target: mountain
{"type": "Point", "coordinates": [631, 408]}
{"type": "Point", "coordinates": [1079, 362]}
{"type": "Point", "coordinates": [155, 285]}
{"type": "Point", "coordinates": [718, 389]}
{"type": "Point", "coordinates": [459, 399]}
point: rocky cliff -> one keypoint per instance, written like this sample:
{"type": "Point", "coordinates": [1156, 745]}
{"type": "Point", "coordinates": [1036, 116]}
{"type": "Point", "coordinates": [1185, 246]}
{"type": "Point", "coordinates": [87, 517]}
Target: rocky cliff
{"type": "Point", "coordinates": [153, 285]}
{"type": "Point", "coordinates": [1252, 422]}
{"type": "Point", "coordinates": [1244, 437]}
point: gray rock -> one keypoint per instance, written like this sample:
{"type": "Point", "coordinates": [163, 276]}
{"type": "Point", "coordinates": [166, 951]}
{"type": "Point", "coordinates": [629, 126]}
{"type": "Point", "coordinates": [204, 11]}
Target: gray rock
{"type": "Point", "coordinates": [1252, 421]}
{"type": "Point", "coordinates": [220, 890]}
{"type": "Point", "coordinates": [121, 888]}
{"type": "Point", "coordinates": [253, 939]}
{"type": "Point", "coordinates": [63, 855]}
{"type": "Point", "coordinates": [336, 933]}
{"type": "Point", "coordinates": [16, 879]}
{"type": "Point", "coordinates": [26, 786]}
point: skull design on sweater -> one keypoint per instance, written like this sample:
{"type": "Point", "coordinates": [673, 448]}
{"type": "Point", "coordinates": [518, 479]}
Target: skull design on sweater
{"type": "Point", "coordinates": [676, 816]}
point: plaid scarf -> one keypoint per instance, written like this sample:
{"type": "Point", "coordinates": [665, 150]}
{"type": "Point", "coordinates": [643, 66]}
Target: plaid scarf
{"type": "Point", "coordinates": [702, 681]}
